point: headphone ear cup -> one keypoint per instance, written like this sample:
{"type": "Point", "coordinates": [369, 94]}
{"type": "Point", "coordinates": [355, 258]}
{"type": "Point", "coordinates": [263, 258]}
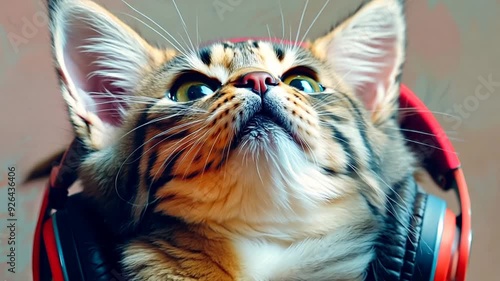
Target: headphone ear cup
{"type": "Point", "coordinates": [398, 242]}
{"type": "Point", "coordinates": [419, 242]}
{"type": "Point", "coordinates": [82, 242]}
{"type": "Point", "coordinates": [431, 236]}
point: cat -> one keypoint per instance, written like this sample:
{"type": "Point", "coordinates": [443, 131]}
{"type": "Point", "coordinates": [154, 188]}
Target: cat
{"type": "Point", "coordinates": [249, 160]}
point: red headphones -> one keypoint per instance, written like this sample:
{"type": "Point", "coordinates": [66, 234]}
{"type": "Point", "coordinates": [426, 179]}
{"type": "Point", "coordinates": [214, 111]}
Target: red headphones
{"type": "Point", "coordinates": [453, 234]}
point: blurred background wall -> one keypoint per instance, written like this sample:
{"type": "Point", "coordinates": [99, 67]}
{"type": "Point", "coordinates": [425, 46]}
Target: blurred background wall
{"type": "Point", "coordinates": [453, 64]}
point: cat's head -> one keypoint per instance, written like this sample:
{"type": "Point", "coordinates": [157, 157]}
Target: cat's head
{"type": "Point", "coordinates": [233, 130]}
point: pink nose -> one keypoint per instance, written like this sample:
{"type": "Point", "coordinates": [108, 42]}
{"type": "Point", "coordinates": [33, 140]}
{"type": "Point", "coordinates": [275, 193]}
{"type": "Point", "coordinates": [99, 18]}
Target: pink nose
{"type": "Point", "coordinates": [257, 81]}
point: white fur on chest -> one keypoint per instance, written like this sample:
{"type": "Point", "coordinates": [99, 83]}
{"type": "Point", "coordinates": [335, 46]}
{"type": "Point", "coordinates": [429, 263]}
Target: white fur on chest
{"type": "Point", "coordinates": [260, 259]}
{"type": "Point", "coordinates": [318, 259]}
{"type": "Point", "coordinates": [305, 232]}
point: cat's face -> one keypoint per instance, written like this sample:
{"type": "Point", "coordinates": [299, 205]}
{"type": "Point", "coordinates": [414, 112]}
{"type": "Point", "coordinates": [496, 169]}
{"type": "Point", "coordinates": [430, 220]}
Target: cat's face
{"type": "Point", "coordinates": [231, 130]}
{"type": "Point", "coordinates": [247, 99]}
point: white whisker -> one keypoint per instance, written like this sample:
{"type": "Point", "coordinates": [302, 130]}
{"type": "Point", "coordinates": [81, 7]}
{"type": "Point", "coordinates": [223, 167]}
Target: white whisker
{"type": "Point", "coordinates": [300, 23]}
{"type": "Point", "coordinates": [282, 21]}
{"type": "Point", "coordinates": [183, 51]}
{"type": "Point", "coordinates": [314, 20]}
{"type": "Point", "coordinates": [159, 26]}
{"type": "Point", "coordinates": [198, 39]}
{"type": "Point", "coordinates": [184, 26]}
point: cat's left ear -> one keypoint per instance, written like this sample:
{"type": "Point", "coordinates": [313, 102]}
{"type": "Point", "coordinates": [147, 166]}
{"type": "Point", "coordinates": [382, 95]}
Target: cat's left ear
{"type": "Point", "coordinates": [100, 61]}
{"type": "Point", "coordinates": [366, 52]}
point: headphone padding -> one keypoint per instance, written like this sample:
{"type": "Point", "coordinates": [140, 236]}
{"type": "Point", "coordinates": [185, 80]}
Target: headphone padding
{"type": "Point", "coordinates": [86, 241]}
{"type": "Point", "coordinates": [398, 242]}
{"type": "Point", "coordinates": [431, 235]}
{"type": "Point", "coordinates": [414, 236]}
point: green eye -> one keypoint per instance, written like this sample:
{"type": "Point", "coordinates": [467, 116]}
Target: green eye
{"type": "Point", "coordinates": [190, 91]}
{"type": "Point", "coordinates": [304, 83]}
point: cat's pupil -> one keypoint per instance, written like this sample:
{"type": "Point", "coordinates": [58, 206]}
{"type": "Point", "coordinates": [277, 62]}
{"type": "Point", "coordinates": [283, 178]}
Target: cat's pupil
{"type": "Point", "coordinates": [302, 85]}
{"type": "Point", "coordinates": [198, 91]}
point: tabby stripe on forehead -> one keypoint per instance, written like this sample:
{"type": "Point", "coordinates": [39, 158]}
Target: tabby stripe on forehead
{"type": "Point", "coordinates": [279, 52]}
{"type": "Point", "coordinates": [205, 56]}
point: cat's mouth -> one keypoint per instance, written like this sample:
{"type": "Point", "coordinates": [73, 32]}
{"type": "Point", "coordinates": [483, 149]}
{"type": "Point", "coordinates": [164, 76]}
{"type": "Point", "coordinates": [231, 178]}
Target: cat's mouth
{"type": "Point", "coordinates": [266, 128]}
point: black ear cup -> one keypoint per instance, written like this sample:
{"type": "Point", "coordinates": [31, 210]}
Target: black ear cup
{"type": "Point", "coordinates": [82, 243]}
{"type": "Point", "coordinates": [408, 248]}
{"type": "Point", "coordinates": [433, 225]}
{"type": "Point", "coordinates": [398, 244]}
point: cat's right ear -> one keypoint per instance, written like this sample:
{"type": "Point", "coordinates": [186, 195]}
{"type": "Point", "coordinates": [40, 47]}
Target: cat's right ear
{"type": "Point", "coordinates": [366, 52]}
{"type": "Point", "coordinates": [100, 61]}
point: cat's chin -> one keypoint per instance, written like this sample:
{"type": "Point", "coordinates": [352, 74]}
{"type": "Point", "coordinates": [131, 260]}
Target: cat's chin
{"type": "Point", "coordinates": [262, 132]}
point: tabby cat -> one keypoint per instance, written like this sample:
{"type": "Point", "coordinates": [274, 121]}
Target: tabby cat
{"type": "Point", "coordinates": [251, 160]}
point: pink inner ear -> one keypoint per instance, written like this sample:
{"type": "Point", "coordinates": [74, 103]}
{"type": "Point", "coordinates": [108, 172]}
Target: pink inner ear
{"type": "Point", "coordinates": [81, 65]}
{"type": "Point", "coordinates": [368, 91]}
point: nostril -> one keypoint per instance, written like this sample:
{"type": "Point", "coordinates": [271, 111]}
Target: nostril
{"type": "Point", "coordinates": [249, 82]}
{"type": "Point", "coordinates": [271, 81]}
